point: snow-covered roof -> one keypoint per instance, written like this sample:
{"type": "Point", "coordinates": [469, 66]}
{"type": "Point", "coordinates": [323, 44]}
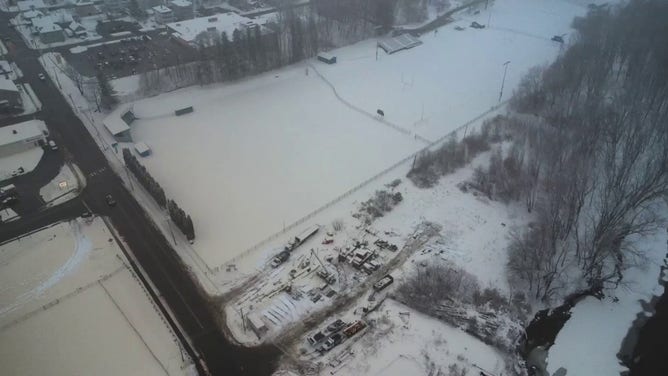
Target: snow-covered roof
{"type": "Point", "coordinates": [141, 147]}
{"type": "Point", "coordinates": [49, 23]}
{"type": "Point", "coordinates": [28, 130]}
{"type": "Point", "coordinates": [32, 14]}
{"type": "Point", "coordinates": [27, 5]}
{"type": "Point", "coordinates": [115, 124]}
{"type": "Point", "coordinates": [5, 67]}
{"type": "Point", "coordinates": [75, 26]}
{"type": "Point", "coordinates": [181, 3]}
{"type": "Point", "coordinates": [224, 22]}
{"type": "Point", "coordinates": [7, 84]}
{"type": "Point", "coordinates": [161, 9]}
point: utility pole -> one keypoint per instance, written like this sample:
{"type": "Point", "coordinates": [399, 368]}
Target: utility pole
{"type": "Point", "coordinates": [503, 81]}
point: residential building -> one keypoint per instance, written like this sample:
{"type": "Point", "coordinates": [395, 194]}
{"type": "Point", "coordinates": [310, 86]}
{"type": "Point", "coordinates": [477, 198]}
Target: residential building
{"type": "Point", "coordinates": [10, 97]}
{"type": "Point", "coordinates": [29, 15]}
{"type": "Point", "coordinates": [183, 9]}
{"type": "Point", "coordinates": [163, 14]}
{"type": "Point", "coordinates": [48, 30]}
{"type": "Point", "coordinates": [27, 5]}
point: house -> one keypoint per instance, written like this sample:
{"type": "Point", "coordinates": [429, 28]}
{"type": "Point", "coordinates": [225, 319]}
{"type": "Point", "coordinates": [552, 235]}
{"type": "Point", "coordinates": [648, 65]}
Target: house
{"type": "Point", "coordinates": [183, 9]}
{"type": "Point", "coordinates": [85, 10]}
{"type": "Point", "coordinates": [10, 97]}
{"type": "Point", "coordinates": [27, 5]}
{"type": "Point", "coordinates": [50, 28]}
{"type": "Point", "coordinates": [163, 14]}
{"type": "Point", "coordinates": [28, 16]}
{"type": "Point", "coordinates": [119, 127]}
{"type": "Point", "coordinates": [19, 137]}
{"type": "Point", "coordinates": [78, 30]}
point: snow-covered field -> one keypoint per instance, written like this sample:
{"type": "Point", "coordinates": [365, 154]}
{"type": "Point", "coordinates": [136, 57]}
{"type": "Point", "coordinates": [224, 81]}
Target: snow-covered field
{"type": "Point", "coordinates": [589, 342]}
{"type": "Point", "coordinates": [69, 305]}
{"type": "Point", "coordinates": [266, 151]}
{"type": "Point", "coordinates": [258, 155]}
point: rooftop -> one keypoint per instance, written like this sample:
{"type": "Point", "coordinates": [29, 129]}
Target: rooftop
{"type": "Point", "coordinates": [21, 131]}
{"type": "Point", "coordinates": [7, 85]}
{"type": "Point", "coordinates": [161, 9]}
{"type": "Point", "coordinates": [182, 3]}
{"type": "Point", "coordinates": [26, 5]}
{"type": "Point", "coordinates": [223, 22]}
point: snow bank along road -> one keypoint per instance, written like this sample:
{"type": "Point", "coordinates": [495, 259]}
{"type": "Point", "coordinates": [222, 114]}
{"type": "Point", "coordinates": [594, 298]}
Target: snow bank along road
{"type": "Point", "coordinates": [146, 243]}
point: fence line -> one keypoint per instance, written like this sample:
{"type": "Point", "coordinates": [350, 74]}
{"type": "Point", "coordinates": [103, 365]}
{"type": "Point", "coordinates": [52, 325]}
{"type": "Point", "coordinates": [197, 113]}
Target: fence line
{"type": "Point", "coordinates": [59, 300]}
{"type": "Point", "coordinates": [368, 114]}
{"type": "Point", "coordinates": [358, 187]}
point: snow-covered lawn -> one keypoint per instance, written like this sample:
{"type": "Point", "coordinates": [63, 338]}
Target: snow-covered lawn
{"type": "Point", "coordinates": [69, 305]}
{"type": "Point", "coordinates": [454, 75]}
{"type": "Point", "coordinates": [64, 187]}
{"type": "Point", "coordinates": [258, 155]}
{"type": "Point", "coordinates": [27, 159]}
{"type": "Point", "coordinates": [589, 342]}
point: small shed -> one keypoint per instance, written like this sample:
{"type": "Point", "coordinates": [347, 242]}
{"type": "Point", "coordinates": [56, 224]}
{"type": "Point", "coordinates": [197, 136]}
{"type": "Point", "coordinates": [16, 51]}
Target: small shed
{"type": "Point", "coordinates": [327, 58]}
{"type": "Point", "coordinates": [142, 149]}
{"type": "Point", "coordinates": [256, 324]}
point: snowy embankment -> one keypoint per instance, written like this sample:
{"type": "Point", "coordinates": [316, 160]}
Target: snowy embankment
{"type": "Point", "coordinates": [68, 295]}
{"type": "Point", "coordinates": [590, 340]}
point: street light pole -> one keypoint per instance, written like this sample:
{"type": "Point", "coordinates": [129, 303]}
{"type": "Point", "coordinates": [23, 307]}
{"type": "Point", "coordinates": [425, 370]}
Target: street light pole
{"type": "Point", "coordinates": [503, 81]}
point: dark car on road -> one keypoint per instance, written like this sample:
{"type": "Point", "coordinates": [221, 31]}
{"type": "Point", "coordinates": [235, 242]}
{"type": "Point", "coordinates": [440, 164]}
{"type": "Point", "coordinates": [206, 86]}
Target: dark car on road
{"type": "Point", "coordinates": [110, 200]}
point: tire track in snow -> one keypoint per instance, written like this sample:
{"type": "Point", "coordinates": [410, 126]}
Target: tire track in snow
{"type": "Point", "coordinates": [83, 247]}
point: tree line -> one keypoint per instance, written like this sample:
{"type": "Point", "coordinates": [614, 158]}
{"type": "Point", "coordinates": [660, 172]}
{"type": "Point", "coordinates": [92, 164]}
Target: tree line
{"type": "Point", "coordinates": [589, 152]}
{"type": "Point", "coordinates": [178, 215]}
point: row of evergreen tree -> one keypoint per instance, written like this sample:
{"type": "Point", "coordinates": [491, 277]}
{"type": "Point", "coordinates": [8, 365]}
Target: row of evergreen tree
{"type": "Point", "coordinates": [180, 218]}
{"type": "Point", "coordinates": [145, 178]}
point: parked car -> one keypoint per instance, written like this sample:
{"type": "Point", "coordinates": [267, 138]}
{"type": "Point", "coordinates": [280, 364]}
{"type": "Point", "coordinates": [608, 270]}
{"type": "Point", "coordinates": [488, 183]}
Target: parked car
{"type": "Point", "coordinates": [336, 326]}
{"type": "Point", "coordinates": [110, 200]}
{"type": "Point", "coordinates": [41, 77]}
{"type": "Point", "coordinates": [315, 338]}
{"type": "Point", "coordinates": [558, 38]}
{"type": "Point", "coordinates": [52, 145]}
{"type": "Point", "coordinates": [331, 342]}
{"type": "Point", "coordinates": [476, 25]}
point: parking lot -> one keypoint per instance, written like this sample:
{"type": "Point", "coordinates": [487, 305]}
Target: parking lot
{"type": "Point", "coordinates": [130, 55]}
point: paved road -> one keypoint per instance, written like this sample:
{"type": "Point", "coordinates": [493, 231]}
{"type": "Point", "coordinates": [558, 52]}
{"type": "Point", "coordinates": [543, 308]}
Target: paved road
{"type": "Point", "coordinates": [148, 245]}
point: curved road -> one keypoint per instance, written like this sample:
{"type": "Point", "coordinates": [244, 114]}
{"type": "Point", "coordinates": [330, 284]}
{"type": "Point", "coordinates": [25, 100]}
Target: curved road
{"type": "Point", "coordinates": [191, 308]}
